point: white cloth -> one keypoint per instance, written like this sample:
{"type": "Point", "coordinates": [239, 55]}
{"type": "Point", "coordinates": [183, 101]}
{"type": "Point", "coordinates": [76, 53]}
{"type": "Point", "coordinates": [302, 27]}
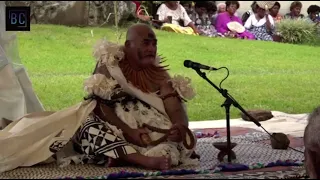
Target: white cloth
{"type": "Point", "coordinates": [252, 21]}
{"type": "Point", "coordinates": [179, 14]}
{"type": "Point", "coordinates": [17, 97]}
{"type": "Point", "coordinates": [30, 140]}
{"type": "Point", "coordinates": [292, 124]}
{"type": "Point", "coordinates": [11, 95]}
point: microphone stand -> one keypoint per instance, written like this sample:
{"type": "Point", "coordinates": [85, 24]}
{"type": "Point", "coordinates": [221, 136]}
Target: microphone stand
{"type": "Point", "coordinates": [227, 104]}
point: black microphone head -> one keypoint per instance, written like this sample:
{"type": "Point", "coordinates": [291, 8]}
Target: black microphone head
{"type": "Point", "coordinates": [187, 63]}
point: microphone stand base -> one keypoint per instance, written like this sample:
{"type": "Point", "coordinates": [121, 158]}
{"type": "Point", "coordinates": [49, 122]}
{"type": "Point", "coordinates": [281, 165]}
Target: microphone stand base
{"type": "Point", "coordinates": [223, 147]}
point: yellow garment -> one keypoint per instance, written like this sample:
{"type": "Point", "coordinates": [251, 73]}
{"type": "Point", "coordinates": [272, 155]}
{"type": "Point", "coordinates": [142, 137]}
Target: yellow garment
{"type": "Point", "coordinates": [177, 29]}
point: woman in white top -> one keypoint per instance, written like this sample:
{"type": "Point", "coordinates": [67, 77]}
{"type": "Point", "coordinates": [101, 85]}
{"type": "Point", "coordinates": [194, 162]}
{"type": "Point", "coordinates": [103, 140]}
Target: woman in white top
{"type": "Point", "coordinates": [180, 21]}
{"type": "Point", "coordinates": [261, 24]}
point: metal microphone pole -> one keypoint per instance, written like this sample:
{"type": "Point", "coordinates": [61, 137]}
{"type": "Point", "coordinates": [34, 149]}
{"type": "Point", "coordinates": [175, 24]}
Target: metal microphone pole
{"type": "Point", "coordinates": [227, 104]}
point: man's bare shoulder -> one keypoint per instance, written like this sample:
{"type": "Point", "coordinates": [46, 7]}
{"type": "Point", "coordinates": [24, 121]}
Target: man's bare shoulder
{"type": "Point", "coordinates": [166, 85]}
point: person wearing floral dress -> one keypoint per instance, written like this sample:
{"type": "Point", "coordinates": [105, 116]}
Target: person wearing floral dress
{"type": "Point", "coordinates": [202, 21]}
{"type": "Point", "coordinates": [261, 24]}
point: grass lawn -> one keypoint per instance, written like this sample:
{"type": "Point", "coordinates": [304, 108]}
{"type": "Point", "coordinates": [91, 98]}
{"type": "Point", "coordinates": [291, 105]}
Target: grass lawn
{"type": "Point", "coordinates": [264, 75]}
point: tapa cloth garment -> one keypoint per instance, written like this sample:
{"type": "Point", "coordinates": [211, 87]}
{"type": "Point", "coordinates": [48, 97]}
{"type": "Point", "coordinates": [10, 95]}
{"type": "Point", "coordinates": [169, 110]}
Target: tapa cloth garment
{"type": "Point", "coordinates": [33, 138]}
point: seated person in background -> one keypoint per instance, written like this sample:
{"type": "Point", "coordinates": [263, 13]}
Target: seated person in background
{"type": "Point", "coordinates": [141, 13]}
{"type": "Point", "coordinates": [261, 24]}
{"type": "Point", "coordinates": [187, 6]}
{"type": "Point", "coordinates": [221, 8]}
{"type": "Point", "coordinates": [295, 10]}
{"type": "Point", "coordinates": [274, 12]}
{"type": "Point", "coordinates": [175, 18]}
{"type": "Point", "coordinates": [211, 9]}
{"type": "Point", "coordinates": [313, 14]}
{"type": "Point", "coordinates": [131, 101]}
{"type": "Point", "coordinates": [224, 18]}
{"type": "Point", "coordinates": [247, 14]}
{"type": "Point", "coordinates": [201, 19]}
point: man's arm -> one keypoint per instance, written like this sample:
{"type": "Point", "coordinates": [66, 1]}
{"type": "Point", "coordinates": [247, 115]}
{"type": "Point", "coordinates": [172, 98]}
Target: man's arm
{"type": "Point", "coordinates": [173, 105]}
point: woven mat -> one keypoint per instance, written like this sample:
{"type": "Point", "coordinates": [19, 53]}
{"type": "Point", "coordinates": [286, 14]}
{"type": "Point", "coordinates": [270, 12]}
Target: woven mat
{"type": "Point", "coordinates": [250, 149]}
{"type": "Point", "coordinates": [294, 173]}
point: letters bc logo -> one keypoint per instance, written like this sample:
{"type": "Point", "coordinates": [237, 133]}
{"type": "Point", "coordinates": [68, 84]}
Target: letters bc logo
{"type": "Point", "coordinates": [18, 18]}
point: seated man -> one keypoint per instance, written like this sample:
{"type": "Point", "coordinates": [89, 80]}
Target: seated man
{"type": "Point", "coordinates": [134, 113]}
{"type": "Point", "coordinates": [174, 18]}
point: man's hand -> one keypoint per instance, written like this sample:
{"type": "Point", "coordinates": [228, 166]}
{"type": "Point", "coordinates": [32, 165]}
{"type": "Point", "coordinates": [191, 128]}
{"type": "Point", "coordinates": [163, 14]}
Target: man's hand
{"type": "Point", "coordinates": [134, 136]}
{"type": "Point", "coordinates": [174, 134]}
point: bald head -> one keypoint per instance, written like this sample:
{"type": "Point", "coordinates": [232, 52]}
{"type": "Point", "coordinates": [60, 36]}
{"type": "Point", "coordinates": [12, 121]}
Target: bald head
{"type": "Point", "coordinates": [138, 31]}
{"type": "Point", "coordinates": [141, 45]}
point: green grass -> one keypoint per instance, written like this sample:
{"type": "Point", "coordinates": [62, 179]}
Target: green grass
{"type": "Point", "coordinates": [263, 75]}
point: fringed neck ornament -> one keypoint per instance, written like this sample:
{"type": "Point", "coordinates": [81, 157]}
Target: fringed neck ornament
{"type": "Point", "coordinates": [111, 54]}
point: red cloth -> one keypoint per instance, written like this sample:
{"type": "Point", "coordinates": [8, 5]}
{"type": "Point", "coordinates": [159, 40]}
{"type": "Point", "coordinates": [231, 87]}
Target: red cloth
{"type": "Point", "coordinates": [138, 4]}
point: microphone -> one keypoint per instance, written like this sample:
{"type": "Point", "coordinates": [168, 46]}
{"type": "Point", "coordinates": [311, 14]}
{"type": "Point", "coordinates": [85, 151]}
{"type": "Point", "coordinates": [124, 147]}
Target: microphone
{"type": "Point", "coordinates": [195, 65]}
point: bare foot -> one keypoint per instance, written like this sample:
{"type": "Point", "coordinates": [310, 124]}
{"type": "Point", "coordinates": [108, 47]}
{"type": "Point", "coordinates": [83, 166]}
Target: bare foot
{"type": "Point", "coordinates": [155, 163]}
{"type": "Point", "coordinates": [158, 163]}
